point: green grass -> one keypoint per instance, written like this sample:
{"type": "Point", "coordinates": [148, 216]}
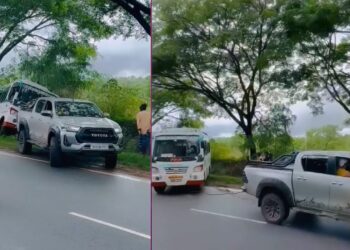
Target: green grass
{"type": "Point", "coordinates": [134, 160]}
{"type": "Point", "coordinates": [224, 181]}
{"type": "Point", "coordinates": [8, 142]}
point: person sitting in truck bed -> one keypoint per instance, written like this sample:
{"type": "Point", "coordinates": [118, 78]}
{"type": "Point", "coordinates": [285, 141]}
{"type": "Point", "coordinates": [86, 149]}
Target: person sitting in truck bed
{"type": "Point", "coordinates": [342, 168]}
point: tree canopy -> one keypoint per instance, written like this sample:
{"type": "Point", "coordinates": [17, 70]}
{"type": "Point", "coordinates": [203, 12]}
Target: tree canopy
{"type": "Point", "coordinates": [231, 53]}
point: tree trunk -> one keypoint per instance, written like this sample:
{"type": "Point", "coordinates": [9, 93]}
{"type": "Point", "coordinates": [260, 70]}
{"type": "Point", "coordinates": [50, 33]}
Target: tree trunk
{"type": "Point", "coordinates": [251, 145]}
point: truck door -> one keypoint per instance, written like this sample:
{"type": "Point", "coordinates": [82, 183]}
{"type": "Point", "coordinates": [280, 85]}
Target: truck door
{"type": "Point", "coordinates": [340, 189]}
{"type": "Point", "coordinates": [45, 124]}
{"type": "Point", "coordinates": [311, 182]}
{"type": "Point", "coordinates": [34, 120]}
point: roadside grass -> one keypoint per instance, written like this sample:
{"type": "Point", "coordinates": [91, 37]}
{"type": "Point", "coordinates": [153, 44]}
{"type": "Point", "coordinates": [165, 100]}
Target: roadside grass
{"type": "Point", "coordinates": [224, 181]}
{"type": "Point", "coordinates": [8, 142]}
{"type": "Point", "coordinates": [134, 160]}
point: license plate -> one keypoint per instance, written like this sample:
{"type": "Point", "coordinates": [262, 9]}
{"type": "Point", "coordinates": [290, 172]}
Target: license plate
{"type": "Point", "coordinates": [99, 147]}
{"type": "Point", "coordinates": [175, 178]}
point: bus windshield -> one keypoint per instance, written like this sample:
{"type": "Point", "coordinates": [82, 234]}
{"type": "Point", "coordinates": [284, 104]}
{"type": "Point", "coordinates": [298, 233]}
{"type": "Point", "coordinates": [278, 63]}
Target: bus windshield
{"type": "Point", "coordinates": [26, 96]}
{"type": "Point", "coordinates": [177, 147]}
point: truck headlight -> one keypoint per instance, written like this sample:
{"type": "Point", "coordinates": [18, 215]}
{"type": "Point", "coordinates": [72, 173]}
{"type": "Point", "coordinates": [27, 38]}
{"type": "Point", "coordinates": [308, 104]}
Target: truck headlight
{"type": "Point", "coordinates": [70, 128]}
{"type": "Point", "coordinates": [155, 170]}
{"type": "Point", "coordinates": [117, 130]}
{"type": "Point", "coordinates": [198, 168]}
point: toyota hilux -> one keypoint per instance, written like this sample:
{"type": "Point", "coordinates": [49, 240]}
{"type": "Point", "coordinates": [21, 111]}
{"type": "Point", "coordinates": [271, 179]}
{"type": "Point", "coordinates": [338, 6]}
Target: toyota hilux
{"type": "Point", "coordinates": [67, 126]}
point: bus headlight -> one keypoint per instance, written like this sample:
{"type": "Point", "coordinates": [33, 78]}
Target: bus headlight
{"type": "Point", "coordinates": [155, 170]}
{"type": "Point", "coordinates": [198, 168]}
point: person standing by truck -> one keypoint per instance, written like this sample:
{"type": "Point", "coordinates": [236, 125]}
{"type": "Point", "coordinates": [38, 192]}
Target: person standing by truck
{"type": "Point", "coordinates": [143, 120]}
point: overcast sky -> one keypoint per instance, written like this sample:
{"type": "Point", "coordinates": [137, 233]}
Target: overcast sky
{"type": "Point", "coordinates": [116, 57]}
{"type": "Point", "coordinates": [333, 115]}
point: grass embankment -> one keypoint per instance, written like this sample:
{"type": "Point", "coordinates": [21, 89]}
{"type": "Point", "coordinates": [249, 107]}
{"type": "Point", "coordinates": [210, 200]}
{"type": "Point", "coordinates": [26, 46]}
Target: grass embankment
{"type": "Point", "coordinates": [227, 163]}
{"type": "Point", "coordinates": [126, 158]}
{"type": "Point", "coordinates": [8, 143]}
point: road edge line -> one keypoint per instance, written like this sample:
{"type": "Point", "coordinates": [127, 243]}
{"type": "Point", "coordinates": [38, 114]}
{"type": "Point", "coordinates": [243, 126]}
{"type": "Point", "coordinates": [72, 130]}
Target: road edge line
{"type": "Point", "coordinates": [124, 229]}
{"type": "Point", "coordinates": [228, 216]}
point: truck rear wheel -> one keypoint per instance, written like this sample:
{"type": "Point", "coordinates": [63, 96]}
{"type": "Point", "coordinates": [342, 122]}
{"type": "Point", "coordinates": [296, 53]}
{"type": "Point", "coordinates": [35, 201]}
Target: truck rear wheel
{"type": "Point", "coordinates": [274, 209]}
{"type": "Point", "coordinates": [111, 161]}
{"type": "Point", "coordinates": [23, 146]}
{"type": "Point", "coordinates": [56, 156]}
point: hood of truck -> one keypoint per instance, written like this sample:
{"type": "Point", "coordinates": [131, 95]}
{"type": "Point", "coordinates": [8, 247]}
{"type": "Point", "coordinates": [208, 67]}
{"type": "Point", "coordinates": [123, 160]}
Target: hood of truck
{"type": "Point", "coordinates": [89, 122]}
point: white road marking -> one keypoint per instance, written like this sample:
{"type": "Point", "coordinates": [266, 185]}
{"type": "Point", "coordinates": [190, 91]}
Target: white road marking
{"type": "Point", "coordinates": [228, 216]}
{"type": "Point", "coordinates": [23, 157]}
{"type": "Point", "coordinates": [111, 225]}
{"type": "Point", "coordinates": [126, 177]}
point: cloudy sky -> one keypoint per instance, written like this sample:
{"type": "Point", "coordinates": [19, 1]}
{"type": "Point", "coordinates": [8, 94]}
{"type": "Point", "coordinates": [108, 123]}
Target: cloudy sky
{"type": "Point", "coordinates": [116, 57]}
{"type": "Point", "coordinates": [333, 115]}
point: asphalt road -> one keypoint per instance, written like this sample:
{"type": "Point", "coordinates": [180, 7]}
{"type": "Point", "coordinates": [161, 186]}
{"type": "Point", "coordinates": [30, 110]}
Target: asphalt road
{"type": "Point", "coordinates": [215, 219]}
{"type": "Point", "coordinates": [70, 208]}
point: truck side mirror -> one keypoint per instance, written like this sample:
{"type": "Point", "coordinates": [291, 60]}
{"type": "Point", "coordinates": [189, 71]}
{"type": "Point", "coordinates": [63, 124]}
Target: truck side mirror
{"type": "Point", "coordinates": [47, 113]}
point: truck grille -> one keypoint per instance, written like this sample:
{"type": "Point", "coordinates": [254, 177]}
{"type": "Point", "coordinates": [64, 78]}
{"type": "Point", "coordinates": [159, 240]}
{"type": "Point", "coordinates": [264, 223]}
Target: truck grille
{"type": "Point", "coordinates": [97, 135]}
{"type": "Point", "coordinates": [175, 170]}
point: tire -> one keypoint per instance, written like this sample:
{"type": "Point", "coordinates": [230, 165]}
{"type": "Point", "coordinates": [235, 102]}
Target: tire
{"type": "Point", "coordinates": [56, 156]}
{"type": "Point", "coordinates": [274, 209]}
{"type": "Point", "coordinates": [111, 161]}
{"type": "Point", "coordinates": [23, 146]}
{"type": "Point", "coordinates": [159, 190]}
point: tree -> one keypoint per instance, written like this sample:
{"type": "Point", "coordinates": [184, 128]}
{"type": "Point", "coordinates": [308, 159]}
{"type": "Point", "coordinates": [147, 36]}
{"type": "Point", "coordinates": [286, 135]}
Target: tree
{"type": "Point", "coordinates": [231, 53]}
{"type": "Point", "coordinates": [321, 31]}
{"type": "Point", "coordinates": [63, 66]}
{"type": "Point", "coordinates": [177, 105]}
{"type": "Point", "coordinates": [272, 133]}
{"type": "Point", "coordinates": [35, 24]}
{"type": "Point", "coordinates": [324, 138]}
{"type": "Point", "coordinates": [141, 12]}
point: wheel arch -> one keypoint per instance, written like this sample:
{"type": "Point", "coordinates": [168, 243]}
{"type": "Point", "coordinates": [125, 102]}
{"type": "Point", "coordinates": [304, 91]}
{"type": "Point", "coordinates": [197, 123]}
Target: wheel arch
{"type": "Point", "coordinates": [54, 131]}
{"type": "Point", "coordinates": [23, 124]}
{"type": "Point", "coordinates": [275, 186]}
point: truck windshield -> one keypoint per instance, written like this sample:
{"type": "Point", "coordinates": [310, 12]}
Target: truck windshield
{"type": "Point", "coordinates": [77, 109]}
{"type": "Point", "coordinates": [177, 147]}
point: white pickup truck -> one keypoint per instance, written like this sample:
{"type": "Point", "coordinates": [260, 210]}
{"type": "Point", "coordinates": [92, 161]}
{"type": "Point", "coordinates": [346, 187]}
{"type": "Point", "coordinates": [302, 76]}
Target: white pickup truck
{"type": "Point", "coordinates": [68, 126]}
{"type": "Point", "coordinates": [305, 181]}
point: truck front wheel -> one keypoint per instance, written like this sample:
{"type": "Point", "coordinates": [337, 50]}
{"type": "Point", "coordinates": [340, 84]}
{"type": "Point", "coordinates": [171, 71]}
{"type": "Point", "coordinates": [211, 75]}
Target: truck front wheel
{"type": "Point", "coordinates": [111, 161]}
{"type": "Point", "coordinates": [274, 209]}
{"type": "Point", "coordinates": [23, 146]}
{"type": "Point", "coordinates": [56, 156]}
{"type": "Point", "coordinates": [159, 190]}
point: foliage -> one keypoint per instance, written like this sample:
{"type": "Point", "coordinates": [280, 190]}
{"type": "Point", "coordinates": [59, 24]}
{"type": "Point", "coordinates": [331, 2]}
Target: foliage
{"type": "Point", "coordinates": [134, 160]}
{"type": "Point", "coordinates": [324, 138]}
{"type": "Point", "coordinates": [232, 53]}
{"type": "Point", "coordinates": [321, 31]}
{"type": "Point", "coordinates": [186, 107]}
{"type": "Point", "coordinates": [272, 131]}
{"type": "Point", "coordinates": [37, 23]}
{"type": "Point", "coordinates": [121, 101]}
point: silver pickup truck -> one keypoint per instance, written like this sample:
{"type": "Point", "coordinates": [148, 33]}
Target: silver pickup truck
{"type": "Point", "coordinates": [68, 126]}
{"type": "Point", "coordinates": [305, 181]}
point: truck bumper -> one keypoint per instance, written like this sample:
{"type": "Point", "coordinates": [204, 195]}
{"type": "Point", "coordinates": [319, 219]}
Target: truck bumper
{"type": "Point", "coordinates": [69, 144]}
{"type": "Point", "coordinates": [194, 179]}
